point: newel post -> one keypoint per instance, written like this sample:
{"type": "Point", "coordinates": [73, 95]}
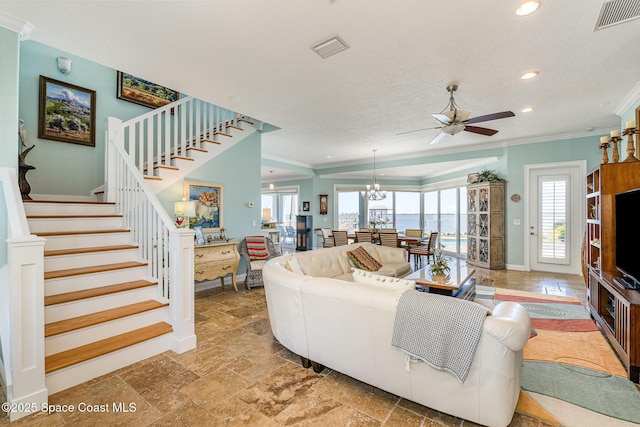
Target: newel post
{"type": "Point", "coordinates": [182, 289]}
{"type": "Point", "coordinates": [113, 136]}
{"type": "Point", "coordinates": [25, 258]}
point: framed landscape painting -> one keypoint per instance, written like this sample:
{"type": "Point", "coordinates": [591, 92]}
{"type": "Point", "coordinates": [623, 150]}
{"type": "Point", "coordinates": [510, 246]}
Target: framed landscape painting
{"type": "Point", "coordinates": [143, 92]}
{"type": "Point", "coordinates": [209, 209]}
{"type": "Point", "coordinates": [67, 112]}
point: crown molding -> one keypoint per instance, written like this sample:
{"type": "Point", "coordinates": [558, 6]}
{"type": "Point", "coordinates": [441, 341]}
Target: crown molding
{"type": "Point", "coordinates": [628, 101]}
{"type": "Point", "coordinates": [23, 28]}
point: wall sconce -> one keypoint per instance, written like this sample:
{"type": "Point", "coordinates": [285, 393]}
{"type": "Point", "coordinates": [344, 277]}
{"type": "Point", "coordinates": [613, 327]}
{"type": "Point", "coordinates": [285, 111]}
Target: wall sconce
{"type": "Point", "coordinates": [64, 64]}
{"type": "Point", "coordinates": [183, 211]}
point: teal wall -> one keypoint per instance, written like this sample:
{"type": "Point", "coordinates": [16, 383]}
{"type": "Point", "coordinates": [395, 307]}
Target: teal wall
{"type": "Point", "coordinates": [60, 164]}
{"type": "Point", "coordinates": [9, 52]}
{"type": "Point", "coordinates": [238, 170]}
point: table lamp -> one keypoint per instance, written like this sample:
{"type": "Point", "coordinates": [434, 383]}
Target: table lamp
{"type": "Point", "coordinates": [182, 211]}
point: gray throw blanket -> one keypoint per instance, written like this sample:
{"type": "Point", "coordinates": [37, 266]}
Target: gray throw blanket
{"type": "Point", "coordinates": [440, 330]}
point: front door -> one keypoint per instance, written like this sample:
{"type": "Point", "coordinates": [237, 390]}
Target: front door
{"type": "Point", "coordinates": [555, 221]}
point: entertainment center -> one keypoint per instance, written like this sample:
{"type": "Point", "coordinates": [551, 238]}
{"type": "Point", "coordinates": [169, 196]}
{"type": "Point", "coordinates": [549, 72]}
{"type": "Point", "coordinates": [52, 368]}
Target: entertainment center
{"type": "Point", "coordinates": [613, 304]}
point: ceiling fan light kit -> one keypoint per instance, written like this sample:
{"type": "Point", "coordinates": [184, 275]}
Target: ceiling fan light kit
{"type": "Point", "coordinates": [527, 7]}
{"type": "Point", "coordinates": [455, 120]}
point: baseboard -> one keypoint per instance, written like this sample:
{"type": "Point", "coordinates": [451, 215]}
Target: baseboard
{"type": "Point", "coordinates": [516, 267]}
{"type": "Point", "coordinates": [211, 284]}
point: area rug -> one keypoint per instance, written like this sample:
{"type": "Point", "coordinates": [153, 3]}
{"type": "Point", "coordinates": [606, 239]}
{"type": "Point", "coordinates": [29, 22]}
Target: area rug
{"type": "Point", "coordinates": [571, 376]}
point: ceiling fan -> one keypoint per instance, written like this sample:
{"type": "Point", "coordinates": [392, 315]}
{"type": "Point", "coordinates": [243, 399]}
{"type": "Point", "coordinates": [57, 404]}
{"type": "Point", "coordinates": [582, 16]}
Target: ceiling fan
{"type": "Point", "coordinates": [454, 120]}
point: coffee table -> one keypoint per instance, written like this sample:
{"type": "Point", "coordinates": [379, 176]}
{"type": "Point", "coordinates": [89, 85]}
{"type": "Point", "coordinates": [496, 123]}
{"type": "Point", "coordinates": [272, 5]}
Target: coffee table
{"type": "Point", "coordinates": [460, 282]}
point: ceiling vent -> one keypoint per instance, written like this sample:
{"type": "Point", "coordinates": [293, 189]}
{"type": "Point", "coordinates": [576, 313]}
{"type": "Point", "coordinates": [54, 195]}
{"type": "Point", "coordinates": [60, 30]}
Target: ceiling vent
{"type": "Point", "coordinates": [330, 47]}
{"type": "Point", "coordinates": [616, 12]}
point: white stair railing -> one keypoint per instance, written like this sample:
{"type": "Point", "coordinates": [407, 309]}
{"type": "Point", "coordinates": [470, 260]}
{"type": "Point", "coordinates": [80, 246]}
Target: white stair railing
{"type": "Point", "coordinates": [152, 139]}
{"type": "Point", "coordinates": [167, 249]}
{"type": "Point", "coordinates": [21, 307]}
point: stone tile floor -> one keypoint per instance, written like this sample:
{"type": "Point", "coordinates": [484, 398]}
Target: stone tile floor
{"type": "Point", "coordinates": [240, 375]}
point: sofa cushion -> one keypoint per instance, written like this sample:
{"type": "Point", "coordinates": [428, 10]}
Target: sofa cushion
{"type": "Point", "coordinates": [363, 259]}
{"type": "Point", "coordinates": [294, 266]}
{"type": "Point", "coordinates": [257, 247]}
{"type": "Point", "coordinates": [397, 269]}
{"type": "Point", "coordinates": [370, 278]}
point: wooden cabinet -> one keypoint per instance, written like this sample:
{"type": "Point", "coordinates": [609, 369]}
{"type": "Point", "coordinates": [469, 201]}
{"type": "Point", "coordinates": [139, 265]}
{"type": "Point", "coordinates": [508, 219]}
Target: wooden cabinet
{"type": "Point", "coordinates": [216, 260]}
{"type": "Point", "coordinates": [304, 225]}
{"type": "Point", "coordinates": [485, 224]}
{"type": "Point", "coordinates": [615, 309]}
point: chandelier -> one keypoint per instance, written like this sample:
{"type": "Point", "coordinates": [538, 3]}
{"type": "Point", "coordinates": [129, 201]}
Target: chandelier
{"type": "Point", "coordinates": [372, 191]}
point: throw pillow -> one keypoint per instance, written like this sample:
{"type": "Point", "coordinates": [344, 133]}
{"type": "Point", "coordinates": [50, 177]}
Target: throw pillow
{"type": "Point", "coordinates": [257, 247]}
{"type": "Point", "coordinates": [363, 259]}
{"type": "Point", "coordinates": [362, 276]}
{"type": "Point", "coordinates": [294, 266]}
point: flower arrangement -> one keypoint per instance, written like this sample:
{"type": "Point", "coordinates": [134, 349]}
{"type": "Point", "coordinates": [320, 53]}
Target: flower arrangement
{"type": "Point", "coordinates": [440, 264]}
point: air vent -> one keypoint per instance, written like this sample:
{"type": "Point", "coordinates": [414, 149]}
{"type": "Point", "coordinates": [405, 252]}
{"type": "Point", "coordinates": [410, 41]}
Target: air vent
{"type": "Point", "coordinates": [330, 47]}
{"type": "Point", "coordinates": [616, 12]}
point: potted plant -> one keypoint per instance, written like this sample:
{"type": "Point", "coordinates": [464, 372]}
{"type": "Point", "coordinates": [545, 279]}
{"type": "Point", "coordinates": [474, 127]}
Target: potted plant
{"type": "Point", "coordinates": [440, 266]}
{"type": "Point", "coordinates": [487, 175]}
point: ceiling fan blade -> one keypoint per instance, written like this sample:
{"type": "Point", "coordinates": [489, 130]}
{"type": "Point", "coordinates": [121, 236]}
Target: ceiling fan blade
{"type": "Point", "coordinates": [442, 118]}
{"type": "Point", "coordinates": [417, 130]}
{"type": "Point", "coordinates": [437, 138]}
{"type": "Point", "coordinates": [488, 117]}
{"type": "Point", "coordinates": [481, 131]}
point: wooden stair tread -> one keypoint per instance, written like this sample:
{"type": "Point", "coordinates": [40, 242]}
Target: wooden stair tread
{"type": "Point", "coordinates": [96, 292]}
{"type": "Point", "coordinates": [235, 127]}
{"type": "Point", "coordinates": [223, 134]}
{"type": "Point", "coordinates": [86, 352]}
{"type": "Point", "coordinates": [246, 121]}
{"type": "Point", "coordinates": [156, 178]}
{"type": "Point", "coordinates": [212, 142]}
{"type": "Point", "coordinates": [70, 233]}
{"type": "Point", "coordinates": [92, 269]}
{"type": "Point", "coordinates": [89, 250]}
{"type": "Point", "coordinates": [182, 158]}
{"type": "Point", "coordinates": [202, 150]}
{"type": "Point", "coordinates": [175, 168]}
{"type": "Point", "coordinates": [74, 216]}
{"type": "Point", "coordinates": [80, 322]}
{"type": "Point", "coordinates": [68, 202]}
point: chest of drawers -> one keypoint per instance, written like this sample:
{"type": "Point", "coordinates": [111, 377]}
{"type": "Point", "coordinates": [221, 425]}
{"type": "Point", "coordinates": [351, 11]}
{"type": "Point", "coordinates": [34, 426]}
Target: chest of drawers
{"type": "Point", "coordinates": [216, 260]}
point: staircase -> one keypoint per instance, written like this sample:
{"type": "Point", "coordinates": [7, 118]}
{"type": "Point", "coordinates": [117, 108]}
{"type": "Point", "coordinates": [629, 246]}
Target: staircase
{"type": "Point", "coordinates": [102, 311]}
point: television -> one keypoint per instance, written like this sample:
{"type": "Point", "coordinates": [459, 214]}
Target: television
{"type": "Point", "coordinates": [628, 238]}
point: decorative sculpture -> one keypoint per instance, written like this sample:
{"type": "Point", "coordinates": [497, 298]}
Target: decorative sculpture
{"type": "Point", "coordinates": [23, 167]}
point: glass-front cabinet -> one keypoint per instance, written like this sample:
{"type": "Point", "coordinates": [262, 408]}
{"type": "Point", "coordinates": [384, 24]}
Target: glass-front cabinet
{"type": "Point", "coordinates": [485, 224]}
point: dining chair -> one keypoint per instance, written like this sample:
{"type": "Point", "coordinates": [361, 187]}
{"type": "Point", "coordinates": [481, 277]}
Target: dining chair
{"type": "Point", "coordinates": [412, 232]}
{"type": "Point", "coordinates": [364, 236]}
{"type": "Point", "coordinates": [327, 238]}
{"type": "Point", "coordinates": [388, 230]}
{"type": "Point", "coordinates": [389, 239]}
{"type": "Point", "coordinates": [340, 238]}
{"type": "Point", "coordinates": [427, 250]}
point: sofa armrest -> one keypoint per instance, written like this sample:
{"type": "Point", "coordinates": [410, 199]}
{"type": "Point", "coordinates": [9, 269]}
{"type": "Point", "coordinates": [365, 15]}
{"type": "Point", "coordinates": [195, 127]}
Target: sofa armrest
{"type": "Point", "coordinates": [510, 324]}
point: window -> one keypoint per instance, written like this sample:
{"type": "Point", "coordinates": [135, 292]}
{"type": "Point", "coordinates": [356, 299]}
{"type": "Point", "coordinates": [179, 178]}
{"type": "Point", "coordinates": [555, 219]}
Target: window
{"type": "Point", "coordinates": [280, 207]}
{"type": "Point", "coordinates": [445, 211]}
{"type": "Point", "coordinates": [407, 210]}
{"type": "Point", "coordinates": [553, 218]}
{"type": "Point", "coordinates": [348, 208]}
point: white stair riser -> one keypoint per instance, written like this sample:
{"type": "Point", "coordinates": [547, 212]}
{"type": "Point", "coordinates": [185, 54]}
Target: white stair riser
{"type": "Point", "coordinates": [87, 281]}
{"type": "Point", "coordinates": [69, 209]}
{"type": "Point", "coordinates": [94, 368]}
{"type": "Point", "coordinates": [74, 224]}
{"type": "Point", "coordinates": [62, 342]}
{"type": "Point", "coordinates": [74, 241]}
{"type": "Point", "coordinates": [68, 310]}
{"type": "Point", "coordinates": [63, 262]}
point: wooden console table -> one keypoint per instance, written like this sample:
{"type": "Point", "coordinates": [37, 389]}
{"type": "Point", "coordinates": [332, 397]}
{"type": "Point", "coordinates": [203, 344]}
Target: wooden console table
{"type": "Point", "coordinates": [216, 260]}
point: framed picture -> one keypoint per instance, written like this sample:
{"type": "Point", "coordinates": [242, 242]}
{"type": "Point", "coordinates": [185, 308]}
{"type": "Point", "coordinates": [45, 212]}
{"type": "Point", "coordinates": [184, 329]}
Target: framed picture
{"type": "Point", "coordinates": [143, 92]}
{"type": "Point", "coordinates": [305, 206]}
{"type": "Point", "coordinates": [67, 112]}
{"type": "Point", "coordinates": [472, 177]}
{"type": "Point", "coordinates": [199, 235]}
{"type": "Point", "coordinates": [209, 210]}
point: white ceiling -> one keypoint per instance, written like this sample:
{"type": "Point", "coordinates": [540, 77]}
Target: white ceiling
{"type": "Point", "coordinates": [254, 57]}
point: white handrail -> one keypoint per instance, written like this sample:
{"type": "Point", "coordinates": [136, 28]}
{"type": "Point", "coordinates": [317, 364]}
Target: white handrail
{"type": "Point", "coordinates": [167, 250]}
{"type": "Point", "coordinates": [22, 316]}
{"type": "Point", "coordinates": [154, 138]}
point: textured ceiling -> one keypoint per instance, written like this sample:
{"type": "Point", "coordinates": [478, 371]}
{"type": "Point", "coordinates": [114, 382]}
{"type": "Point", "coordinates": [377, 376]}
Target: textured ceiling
{"type": "Point", "coordinates": [255, 57]}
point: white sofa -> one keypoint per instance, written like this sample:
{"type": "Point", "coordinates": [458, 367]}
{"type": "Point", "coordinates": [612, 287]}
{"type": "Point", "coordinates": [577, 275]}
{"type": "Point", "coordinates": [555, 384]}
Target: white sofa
{"type": "Point", "coordinates": [347, 326]}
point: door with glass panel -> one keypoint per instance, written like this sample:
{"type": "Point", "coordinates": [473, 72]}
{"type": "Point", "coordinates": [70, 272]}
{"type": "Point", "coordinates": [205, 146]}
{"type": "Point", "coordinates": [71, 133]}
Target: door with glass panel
{"type": "Point", "coordinates": [554, 227]}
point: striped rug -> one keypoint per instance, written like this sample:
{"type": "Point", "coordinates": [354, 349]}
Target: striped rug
{"type": "Point", "coordinates": [571, 376]}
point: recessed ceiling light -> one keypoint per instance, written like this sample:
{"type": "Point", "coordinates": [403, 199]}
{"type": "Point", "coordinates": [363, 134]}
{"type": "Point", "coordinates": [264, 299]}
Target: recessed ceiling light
{"type": "Point", "coordinates": [529, 75]}
{"type": "Point", "coordinates": [527, 7]}
{"type": "Point", "coordinates": [527, 109]}
{"type": "Point", "coordinates": [329, 157]}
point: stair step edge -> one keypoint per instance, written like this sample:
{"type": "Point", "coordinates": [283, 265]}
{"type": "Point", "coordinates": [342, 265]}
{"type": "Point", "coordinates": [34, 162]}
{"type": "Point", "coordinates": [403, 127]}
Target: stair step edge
{"type": "Point", "coordinates": [92, 269]}
{"type": "Point", "coordinates": [75, 323]}
{"type": "Point", "coordinates": [96, 292]}
{"type": "Point", "coordinates": [79, 232]}
{"type": "Point", "coordinates": [78, 251]}
{"type": "Point", "coordinates": [86, 352]}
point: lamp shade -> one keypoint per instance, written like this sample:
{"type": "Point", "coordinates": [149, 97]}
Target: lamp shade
{"type": "Point", "coordinates": [185, 209]}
